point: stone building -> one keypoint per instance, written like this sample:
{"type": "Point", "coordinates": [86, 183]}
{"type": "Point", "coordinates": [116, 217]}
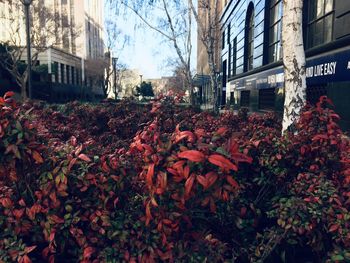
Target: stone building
{"type": "Point", "coordinates": [73, 55]}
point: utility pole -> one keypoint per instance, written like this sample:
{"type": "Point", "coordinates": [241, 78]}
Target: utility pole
{"type": "Point", "coordinates": [27, 4]}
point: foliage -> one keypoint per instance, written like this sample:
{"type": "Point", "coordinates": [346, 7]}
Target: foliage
{"type": "Point", "coordinates": [145, 89]}
{"type": "Point", "coordinates": [149, 183]}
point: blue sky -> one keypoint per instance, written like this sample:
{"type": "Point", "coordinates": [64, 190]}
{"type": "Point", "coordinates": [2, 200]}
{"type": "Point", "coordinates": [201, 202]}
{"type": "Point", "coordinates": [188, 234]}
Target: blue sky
{"type": "Point", "coordinates": [147, 50]}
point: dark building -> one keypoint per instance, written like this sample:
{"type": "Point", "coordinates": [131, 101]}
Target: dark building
{"type": "Point", "coordinates": [252, 72]}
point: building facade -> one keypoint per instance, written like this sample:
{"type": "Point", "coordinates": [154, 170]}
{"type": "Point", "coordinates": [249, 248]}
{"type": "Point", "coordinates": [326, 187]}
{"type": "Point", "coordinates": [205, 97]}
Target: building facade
{"type": "Point", "coordinates": [70, 35]}
{"type": "Point", "coordinates": [202, 77]}
{"type": "Point", "coordinates": [251, 54]}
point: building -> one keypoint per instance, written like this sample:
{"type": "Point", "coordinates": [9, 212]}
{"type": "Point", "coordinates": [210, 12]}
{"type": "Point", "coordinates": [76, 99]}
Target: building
{"type": "Point", "coordinates": [127, 80]}
{"type": "Point", "coordinates": [68, 34]}
{"type": "Point", "coordinates": [161, 85]}
{"type": "Point", "coordinates": [212, 27]}
{"type": "Point", "coordinates": [252, 71]}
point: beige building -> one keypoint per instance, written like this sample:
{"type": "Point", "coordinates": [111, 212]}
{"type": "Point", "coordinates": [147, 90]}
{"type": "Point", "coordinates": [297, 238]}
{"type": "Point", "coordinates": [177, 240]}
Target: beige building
{"type": "Point", "coordinates": [160, 85]}
{"type": "Point", "coordinates": [202, 78]}
{"type": "Point", "coordinates": [69, 35]}
{"type": "Point", "coordinates": [127, 82]}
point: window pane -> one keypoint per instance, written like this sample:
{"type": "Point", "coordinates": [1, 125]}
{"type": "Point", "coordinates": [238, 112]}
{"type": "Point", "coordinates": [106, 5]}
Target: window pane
{"type": "Point", "coordinates": [275, 52]}
{"type": "Point", "coordinates": [319, 32]}
{"type": "Point", "coordinates": [328, 27]}
{"type": "Point", "coordinates": [328, 6]}
{"type": "Point", "coordinates": [320, 8]}
{"type": "Point", "coordinates": [273, 15]}
{"type": "Point", "coordinates": [275, 33]}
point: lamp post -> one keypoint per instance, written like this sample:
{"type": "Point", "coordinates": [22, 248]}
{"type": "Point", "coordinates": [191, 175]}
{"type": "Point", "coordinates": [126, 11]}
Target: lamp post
{"type": "Point", "coordinates": [27, 4]}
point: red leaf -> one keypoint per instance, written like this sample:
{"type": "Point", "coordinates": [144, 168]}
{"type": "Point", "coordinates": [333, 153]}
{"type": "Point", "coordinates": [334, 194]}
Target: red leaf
{"type": "Point", "coordinates": [21, 202]}
{"type": "Point", "coordinates": [222, 130]}
{"type": "Point", "coordinates": [189, 184]}
{"type": "Point", "coordinates": [73, 141]}
{"type": "Point", "coordinates": [105, 167]}
{"type": "Point", "coordinates": [333, 228]}
{"type": "Point", "coordinates": [172, 171]}
{"type": "Point", "coordinates": [211, 178]}
{"type": "Point", "coordinates": [8, 94]}
{"type": "Point", "coordinates": [18, 213]}
{"type": "Point", "coordinates": [71, 163]}
{"type": "Point", "coordinates": [240, 157]}
{"type": "Point", "coordinates": [37, 157]}
{"type": "Point", "coordinates": [27, 250]}
{"type": "Point", "coordinates": [57, 219]}
{"type": "Point", "coordinates": [148, 214]}
{"type": "Point", "coordinates": [203, 181]}
{"type": "Point", "coordinates": [150, 174]}
{"type": "Point", "coordinates": [26, 259]}
{"type": "Point", "coordinates": [186, 171]}
{"type": "Point", "coordinates": [6, 202]}
{"type": "Point", "coordinates": [192, 155]}
{"type": "Point", "coordinates": [84, 158]}
{"type": "Point", "coordinates": [320, 137]}
{"type": "Point", "coordinates": [185, 134]}
{"type": "Point", "coordinates": [222, 162]}
{"type": "Point", "coordinates": [232, 146]}
{"type": "Point", "coordinates": [232, 181]}
{"type": "Point", "coordinates": [88, 251]}
{"type": "Point", "coordinates": [256, 143]}
{"type": "Point", "coordinates": [52, 235]}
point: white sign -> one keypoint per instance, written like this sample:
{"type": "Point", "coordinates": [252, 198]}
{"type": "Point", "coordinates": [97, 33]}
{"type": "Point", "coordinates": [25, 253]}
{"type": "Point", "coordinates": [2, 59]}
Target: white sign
{"type": "Point", "coordinates": [320, 70]}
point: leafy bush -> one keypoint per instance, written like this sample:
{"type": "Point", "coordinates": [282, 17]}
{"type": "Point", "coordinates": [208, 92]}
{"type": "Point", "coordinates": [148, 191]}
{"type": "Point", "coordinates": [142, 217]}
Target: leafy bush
{"type": "Point", "coordinates": [150, 183]}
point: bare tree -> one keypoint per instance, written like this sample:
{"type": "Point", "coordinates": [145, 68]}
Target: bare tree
{"type": "Point", "coordinates": [116, 42]}
{"type": "Point", "coordinates": [175, 25]}
{"type": "Point", "coordinates": [293, 61]}
{"type": "Point", "coordinates": [176, 83]}
{"type": "Point", "coordinates": [45, 25]}
{"type": "Point", "coordinates": [207, 16]}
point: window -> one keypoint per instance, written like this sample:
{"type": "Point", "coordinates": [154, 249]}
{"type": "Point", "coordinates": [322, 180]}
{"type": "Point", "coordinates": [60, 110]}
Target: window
{"type": "Point", "coordinates": [73, 77]}
{"type": "Point", "coordinates": [320, 17]}
{"type": "Point", "coordinates": [267, 99]}
{"type": "Point", "coordinates": [275, 29]}
{"type": "Point", "coordinates": [223, 40]}
{"type": "Point", "coordinates": [68, 74]}
{"type": "Point", "coordinates": [245, 98]}
{"type": "Point", "coordinates": [55, 71]}
{"type": "Point", "coordinates": [249, 39]}
{"type": "Point", "coordinates": [228, 33]}
{"type": "Point", "coordinates": [233, 59]}
{"type": "Point", "coordinates": [62, 73]}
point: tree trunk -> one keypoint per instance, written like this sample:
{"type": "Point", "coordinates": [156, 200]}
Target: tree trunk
{"type": "Point", "coordinates": [23, 87]}
{"type": "Point", "coordinates": [293, 62]}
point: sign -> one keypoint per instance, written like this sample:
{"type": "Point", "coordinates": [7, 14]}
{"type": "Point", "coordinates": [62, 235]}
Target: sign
{"type": "Point", "coordinates": [319, 71]}
{"type": "Point", "coordinates": [329, 68]}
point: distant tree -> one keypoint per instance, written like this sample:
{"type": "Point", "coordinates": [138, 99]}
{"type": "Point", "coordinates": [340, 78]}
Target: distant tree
{"type": "Point", "coordinates": [115, 44]}
{"type": "Point", "coordinates": [175, 25]}
{"type": "Point", "coordinates": [45, 29]}
{"type": "Point", "coordinates": [145, 89]}
{"type": "Point", "coordinates": [177, 81]}
{"type": "Point", "coordinates": [118, 77]}
{"type": "Point", "coordinates": [293, 61]}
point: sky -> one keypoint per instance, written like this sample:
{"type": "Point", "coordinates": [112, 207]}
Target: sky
{"type": "Point", "coordinates": [147, 50]}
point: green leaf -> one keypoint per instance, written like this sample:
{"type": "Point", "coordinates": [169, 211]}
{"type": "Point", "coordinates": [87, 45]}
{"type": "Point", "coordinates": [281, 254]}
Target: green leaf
{"type": "Point", "coordinates": [337, 257]}
{"type": "Point", "coordinates": [222, 151]}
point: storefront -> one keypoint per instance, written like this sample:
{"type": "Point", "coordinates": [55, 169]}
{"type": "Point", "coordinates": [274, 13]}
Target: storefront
{"type": "Point", "coordinates": [253, 54]}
